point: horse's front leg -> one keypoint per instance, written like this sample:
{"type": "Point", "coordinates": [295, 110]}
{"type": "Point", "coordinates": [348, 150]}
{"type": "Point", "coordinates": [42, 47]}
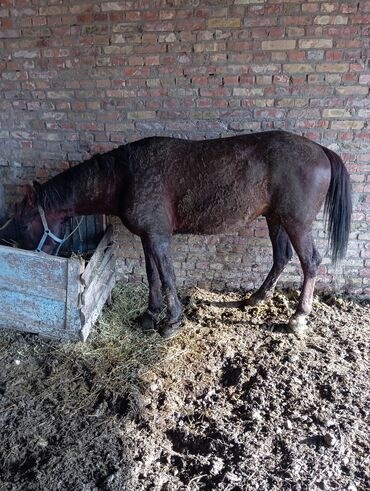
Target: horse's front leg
{"type": "Point", "coordinates": [159, 247]}
{"type": "Point", "coordinates": [149, 319]}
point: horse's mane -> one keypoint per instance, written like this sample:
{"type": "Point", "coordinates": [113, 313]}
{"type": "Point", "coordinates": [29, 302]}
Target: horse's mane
{"type": "Point", "coordinates": [65, 187]}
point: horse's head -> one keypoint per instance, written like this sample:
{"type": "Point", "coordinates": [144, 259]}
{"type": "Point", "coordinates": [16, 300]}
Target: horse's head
{"type": "Point", "coordinates": [31, 227]}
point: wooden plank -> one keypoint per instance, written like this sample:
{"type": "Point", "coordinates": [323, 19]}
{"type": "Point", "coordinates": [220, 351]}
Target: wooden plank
{"type": "Point", "coordinates": [32, 291]}
{"type": "Point", "coordinates": [97, 286]}
{"type": "Point", "coordinates": [54, 292]}
{"type": "Point", "coordinates": [97, 256]}
{"type": "Point", "coordinates": [31, 313]}
{"type": "Point", "coordinates": [42, 294]}
{"type": "Point", "coordinates": [18, 265]}
{"type": "Point", "coordinates": [101, 299]}
{"type": "Point", "coordinates": [72, 320]}
{"type": "Point", "coordinates": [97, 272]}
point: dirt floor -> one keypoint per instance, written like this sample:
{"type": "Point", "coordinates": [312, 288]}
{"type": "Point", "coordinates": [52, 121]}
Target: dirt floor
{"type": "Point", "coordinates": [232, 403]}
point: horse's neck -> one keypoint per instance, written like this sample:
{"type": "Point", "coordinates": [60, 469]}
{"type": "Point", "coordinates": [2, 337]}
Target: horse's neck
{"type": "Point", "coordinates": [86, 189]}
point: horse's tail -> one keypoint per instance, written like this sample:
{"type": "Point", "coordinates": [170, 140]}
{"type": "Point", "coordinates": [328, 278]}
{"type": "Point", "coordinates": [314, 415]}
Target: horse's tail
{"type": "Point", "coordinates": [338, 207]}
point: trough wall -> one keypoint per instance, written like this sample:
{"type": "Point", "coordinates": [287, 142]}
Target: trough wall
{"type": "Point", "coordinates": [80, 77]}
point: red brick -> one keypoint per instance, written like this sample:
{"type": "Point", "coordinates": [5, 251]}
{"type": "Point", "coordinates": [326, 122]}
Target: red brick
{"type": "Point", "coordinates": [279, 44]}
{"type": "Point", "coordinates": [357, 19]}
{"type": "Point", "coordinates": [133, 15]}
{"type": "Point", "coordinates": [6, 23]}
{"type": "Point", "coordinates": [297, 20]}
{"type": "Point", "coordinates": [296, 56]}
{"type": "Point", "coordinates": [227, 22]}
{"type": "Point", "coordinates": [341, 31]}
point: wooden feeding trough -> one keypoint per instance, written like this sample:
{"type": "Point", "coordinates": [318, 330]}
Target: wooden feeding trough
{"type": "Point", "coordinates": [55, 296]}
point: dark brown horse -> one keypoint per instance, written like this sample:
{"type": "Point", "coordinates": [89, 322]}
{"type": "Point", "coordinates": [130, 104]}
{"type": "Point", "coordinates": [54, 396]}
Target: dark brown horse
{"type": "Point", "coordinates": [162, 186]}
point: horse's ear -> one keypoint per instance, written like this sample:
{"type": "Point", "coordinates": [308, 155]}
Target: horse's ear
{"type": "Point", "coordinates": [31, 195]}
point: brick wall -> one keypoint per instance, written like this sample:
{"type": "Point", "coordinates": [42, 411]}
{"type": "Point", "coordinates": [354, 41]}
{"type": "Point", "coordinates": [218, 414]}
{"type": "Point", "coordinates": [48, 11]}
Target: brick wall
{"type": "Point", "coordinates": [78, 77]}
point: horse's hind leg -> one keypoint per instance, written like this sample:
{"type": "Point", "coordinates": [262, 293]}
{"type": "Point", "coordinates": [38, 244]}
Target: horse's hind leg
{"type": "Point", "coordinates": [148, 320]}
{"type": "Point", "coordinates": [282, 254]}
{"type": "Point", "coordinates": [310, 259]}
{"type": "Point", "coordinates": [159, 247]}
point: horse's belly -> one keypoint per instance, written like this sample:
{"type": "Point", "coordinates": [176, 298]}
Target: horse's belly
{"type": "Point", "coordinates": [217, 215]}
{"type": "Point", "coordinates": [221, 226]}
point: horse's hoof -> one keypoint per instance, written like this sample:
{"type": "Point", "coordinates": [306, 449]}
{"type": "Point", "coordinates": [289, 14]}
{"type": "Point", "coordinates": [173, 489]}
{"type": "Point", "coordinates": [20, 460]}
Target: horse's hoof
{"type": "Point", "coordinates": [252, 301]}
{"type": "Point", "coordinates": [297, 325]}
{"type": "Point", "coordinates": [167, 331]}
{"type": "Point", "coordinates": [147, 322]}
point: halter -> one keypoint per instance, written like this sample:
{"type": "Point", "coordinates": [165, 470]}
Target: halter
{"type": "Point", "coordinates": [48, 233]}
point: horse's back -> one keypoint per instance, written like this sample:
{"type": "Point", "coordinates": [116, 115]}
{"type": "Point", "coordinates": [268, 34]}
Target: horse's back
{"type": "Point", "coordinates": [209, 186]}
